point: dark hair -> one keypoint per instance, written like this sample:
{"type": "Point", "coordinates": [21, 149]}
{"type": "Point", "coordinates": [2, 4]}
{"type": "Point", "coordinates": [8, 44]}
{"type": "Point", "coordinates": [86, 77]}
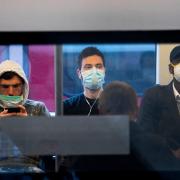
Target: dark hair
{"type": "Point", "coordinates": [89, 51]}
{"type": "Point", "coordinates": [175, 55]}
{"type": "Point", "coordinates": [9, 75]}
{"type": "Point", "coordinates": [118, 98]}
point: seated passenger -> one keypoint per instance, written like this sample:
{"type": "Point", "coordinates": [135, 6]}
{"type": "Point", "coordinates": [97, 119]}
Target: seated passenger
{"type": "Point", "coordinates": [14, 91]}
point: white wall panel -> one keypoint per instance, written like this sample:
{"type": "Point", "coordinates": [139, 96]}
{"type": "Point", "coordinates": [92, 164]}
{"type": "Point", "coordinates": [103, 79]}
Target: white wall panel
{"type": "Point", "coordinates": [27, 15]}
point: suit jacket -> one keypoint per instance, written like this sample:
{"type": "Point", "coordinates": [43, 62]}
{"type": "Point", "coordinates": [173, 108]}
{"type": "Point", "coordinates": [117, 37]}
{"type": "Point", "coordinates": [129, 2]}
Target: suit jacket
{"type": "Point", "coordinates": [159, 114]}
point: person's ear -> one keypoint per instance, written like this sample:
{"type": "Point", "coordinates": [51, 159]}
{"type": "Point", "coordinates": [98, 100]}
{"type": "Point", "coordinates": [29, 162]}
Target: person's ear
{"type": "Point", "coordinates": [171, 69]}
{"type": "Point", "coordinates": [79, 73]}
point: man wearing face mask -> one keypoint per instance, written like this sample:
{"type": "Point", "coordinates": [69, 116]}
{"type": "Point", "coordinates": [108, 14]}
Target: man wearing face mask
{"type": "Point", "coordinates": [160, 107]}
{"type": "Point", "coordinates": [14, 91]}
{"type": "Point", "coordinates": [91, 72]}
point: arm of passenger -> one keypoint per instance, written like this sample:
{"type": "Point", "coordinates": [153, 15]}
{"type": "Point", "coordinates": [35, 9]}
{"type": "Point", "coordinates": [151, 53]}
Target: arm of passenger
{"type": "Point", "coordinates": [43, 111]}
{"type": "Point", "coordinates": [148, 111]}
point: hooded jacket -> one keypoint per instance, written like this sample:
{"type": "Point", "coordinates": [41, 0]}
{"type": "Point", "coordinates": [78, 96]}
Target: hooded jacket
{"type": "Point", "coordinates": [10, 156]}
{"type": "Point", "coordinates": [32, 107]}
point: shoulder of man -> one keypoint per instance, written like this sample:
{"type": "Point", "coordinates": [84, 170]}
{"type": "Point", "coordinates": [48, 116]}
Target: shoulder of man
{"type": "Point", "coordinates": [73, 105]}
{"type": "Point", "coordinates": [73, 100]}
{"type": "Point", "coordinates": [30, 102]}
{"type": "Point", "coordinates": [157, 89]}
{"type": "Point", "coordinates": [156, 96]}
{"type": "Point", "coordinates": [36, 108]}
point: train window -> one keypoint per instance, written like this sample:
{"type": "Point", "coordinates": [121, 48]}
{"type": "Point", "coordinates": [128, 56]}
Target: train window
{"type": "Point", "coordinates": [132, 63]}
{"type": "Point", "coordinates": [38, 64]}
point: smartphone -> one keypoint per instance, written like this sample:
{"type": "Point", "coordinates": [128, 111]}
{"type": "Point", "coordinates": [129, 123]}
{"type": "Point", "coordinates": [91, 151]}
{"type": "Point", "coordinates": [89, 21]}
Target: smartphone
{"type": "Point", "coordinates": [14, 109]}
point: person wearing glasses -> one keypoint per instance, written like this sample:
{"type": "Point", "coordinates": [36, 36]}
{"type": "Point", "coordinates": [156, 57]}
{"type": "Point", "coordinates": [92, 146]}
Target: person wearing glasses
{"type": "Point", "coordinates": [91, 72]}
{"type": "Point", "coordinates": [14, 91]}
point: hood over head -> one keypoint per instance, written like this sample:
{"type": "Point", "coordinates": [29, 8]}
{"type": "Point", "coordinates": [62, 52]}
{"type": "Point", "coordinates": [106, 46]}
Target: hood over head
{"type": "Point", "coordinates": [10, 65]}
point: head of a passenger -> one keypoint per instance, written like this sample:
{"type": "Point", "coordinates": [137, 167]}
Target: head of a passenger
{"type": "Point", "coordinates": [174, 66]}
{"type": "Point", "coordinates": [91, 68]}
{"type": "Point", "coordinates": [13, 82]}
{"type": "Point", "coordinates": [118, 98]}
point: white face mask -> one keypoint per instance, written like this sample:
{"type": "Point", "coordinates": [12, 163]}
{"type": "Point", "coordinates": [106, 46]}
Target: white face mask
{"type": "Point", "coordinates": [93, 78]}
{"type": "Point", "coordinates": [176, 71]}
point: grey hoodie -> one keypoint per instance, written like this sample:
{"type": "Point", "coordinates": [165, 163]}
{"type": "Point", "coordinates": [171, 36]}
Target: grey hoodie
{"type": "Point", "coordinates": [10, 156]}
{"type": "Point", "coordinates": [33, 108]}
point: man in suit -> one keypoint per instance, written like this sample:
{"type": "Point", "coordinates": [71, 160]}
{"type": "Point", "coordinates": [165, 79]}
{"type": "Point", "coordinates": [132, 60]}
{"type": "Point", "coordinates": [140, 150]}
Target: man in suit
{"type": "Point", "coordinates": [160, 109]}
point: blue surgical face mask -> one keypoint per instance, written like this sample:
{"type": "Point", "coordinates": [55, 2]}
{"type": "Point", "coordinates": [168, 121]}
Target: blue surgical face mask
{"type": "Point", "coordinates": [93, 79]}
{"type": "Point", "coordinates": [10, 101]}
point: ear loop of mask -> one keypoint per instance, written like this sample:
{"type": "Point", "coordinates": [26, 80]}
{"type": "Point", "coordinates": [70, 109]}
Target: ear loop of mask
{"type": "Point", "coordinates": [172, 65]}
{"type": "Point", "coordinates": [175, 64]}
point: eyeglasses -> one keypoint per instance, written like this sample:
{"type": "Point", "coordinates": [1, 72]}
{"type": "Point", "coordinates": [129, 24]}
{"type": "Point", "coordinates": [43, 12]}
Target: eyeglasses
{"type": "Point", "coordinates": [16, 87]}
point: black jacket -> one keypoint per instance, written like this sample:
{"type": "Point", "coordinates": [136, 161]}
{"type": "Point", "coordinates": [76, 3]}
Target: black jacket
{"type": "Point", "coordinates": [159, 114]}
{"type": "Point", "coordinates": [77, 105]}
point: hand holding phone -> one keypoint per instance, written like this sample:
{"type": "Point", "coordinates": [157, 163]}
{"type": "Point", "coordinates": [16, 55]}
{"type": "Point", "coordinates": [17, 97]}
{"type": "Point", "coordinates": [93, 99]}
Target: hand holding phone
{"type": "Point", "coordinates": [20, 110]}
{"type": "Point", "coordinates": [13, 110]}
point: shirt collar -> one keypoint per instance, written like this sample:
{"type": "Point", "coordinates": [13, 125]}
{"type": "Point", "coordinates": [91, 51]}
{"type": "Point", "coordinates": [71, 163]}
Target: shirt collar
{"type": "Point", "coordinates": [175, 91]}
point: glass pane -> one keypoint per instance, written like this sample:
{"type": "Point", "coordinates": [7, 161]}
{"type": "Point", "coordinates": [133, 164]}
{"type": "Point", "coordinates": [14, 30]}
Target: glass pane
{"type": "Point", "coordinates": [41, 76]}
{"type": "Point", "coordinates": [132, 63]}
{"type": "Point", "coordinates": [38, 64]}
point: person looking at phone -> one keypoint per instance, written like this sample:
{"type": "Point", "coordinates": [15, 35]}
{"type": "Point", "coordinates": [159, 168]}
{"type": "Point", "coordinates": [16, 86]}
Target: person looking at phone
{"type": "Point", "coordinates": [14, 91]}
